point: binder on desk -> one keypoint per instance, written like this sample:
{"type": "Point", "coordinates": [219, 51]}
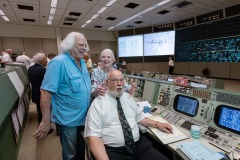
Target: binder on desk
{"type": "Point", "coordinates": [196, 150]}
{"type": "Point", "coordinates": [164, 137]}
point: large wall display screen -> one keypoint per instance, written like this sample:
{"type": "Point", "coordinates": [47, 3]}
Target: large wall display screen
{"type": "Point", "coordinates": [213, 50]}
{"type": "Point", "coordinates": [130, 46]}
{"type": "Point", "coordinates": [158, 44]}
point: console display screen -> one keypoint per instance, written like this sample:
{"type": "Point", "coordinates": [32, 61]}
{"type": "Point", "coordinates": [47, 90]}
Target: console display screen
{"type": "Point", "coordinates": [186, 105]}
{"type": "Point", "coordinates": [229, 118]}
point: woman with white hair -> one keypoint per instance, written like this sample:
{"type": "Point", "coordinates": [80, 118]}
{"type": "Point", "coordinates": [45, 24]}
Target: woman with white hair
{"type": "Point", "coordinates": [100, 74]}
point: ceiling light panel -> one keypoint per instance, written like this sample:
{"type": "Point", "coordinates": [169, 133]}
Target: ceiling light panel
{"type": "Point", "coordinates": [94, 16]}
{"type": "Point", "coordinates": [102, 10]}
{"type": "Point", "coordinates": [54, 3]}
{"type": "Point", "coordinates": [2, 13]}
{"type": "Point", "coordinates": [52, 10]}
{"type": "Point", "coordinates": [5, 18]}
{"type": "Point", "coordinates": [110, 3]}
{"type": "Point", "coordinates": [49, 22]}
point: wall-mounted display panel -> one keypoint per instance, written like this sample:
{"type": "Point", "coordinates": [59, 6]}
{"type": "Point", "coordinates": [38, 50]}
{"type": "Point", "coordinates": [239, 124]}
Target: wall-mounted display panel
{"type": "Point", "coordinates": [130, 46]}
{"type": "Point", "coordinates": [209, 50]}
{"type": "Point", "coordinates": [159, 44]}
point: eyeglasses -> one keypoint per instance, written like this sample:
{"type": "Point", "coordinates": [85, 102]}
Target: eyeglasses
{"type": "Point", "coordinates": [116, 80]}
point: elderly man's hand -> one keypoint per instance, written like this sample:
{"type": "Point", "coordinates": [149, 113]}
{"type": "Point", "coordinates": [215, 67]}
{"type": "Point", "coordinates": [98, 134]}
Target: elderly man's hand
{"type": "Point", "coordinates": [165, 127]}
{"type": "Point", "coordinates": [132, 89]}
{"type": "Point", "coordinates": [42, 131]}
{"type": "Point", "coordinates": [100, 91]}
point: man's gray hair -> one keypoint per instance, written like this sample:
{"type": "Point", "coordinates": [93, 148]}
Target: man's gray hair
{"type": "Point", "coordinates": [109, 51]}
{"type": "Point", "coordinates": [69, 41]}
{"type": "Point", "coordinates": [38, 57]}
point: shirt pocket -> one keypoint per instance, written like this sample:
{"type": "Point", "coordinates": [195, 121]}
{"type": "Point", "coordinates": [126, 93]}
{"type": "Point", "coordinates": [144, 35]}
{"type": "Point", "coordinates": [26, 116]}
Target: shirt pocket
{"type": "Point", "coordinates": [75, 83]}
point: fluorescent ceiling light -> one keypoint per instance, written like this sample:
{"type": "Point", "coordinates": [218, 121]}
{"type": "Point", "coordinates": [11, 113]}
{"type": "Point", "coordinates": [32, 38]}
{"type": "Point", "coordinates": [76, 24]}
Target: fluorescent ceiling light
{"type": "Point", "coordinates": [144, 11]}
{"type": "Point", "coordinates": [94, 16]}
{"type": "Point", "coordinates": [2, 13]}
{"type": "Point", "coordinates": [110, 28]}
{"type": "Point", "coordinates": [50, 17]}
{"type": "Point", "coordinates": [83, 25]}
{"type": "Point", "coordinates": [5, 18]}
{"type": "Point", "coordinates": [163, 2]}
{"type": "Point", "coordinates": [52, 10]}
{"type": "Point", "coordinates": [54, 3]}
{"type": "Point", "coordinates": [102, 10]}
{"type": "Point", "coordinates": [89, 21]}
{"type": "Point", "coordinates": [110, 3]}
{"type": "Point", "coordinates": [49, 22]}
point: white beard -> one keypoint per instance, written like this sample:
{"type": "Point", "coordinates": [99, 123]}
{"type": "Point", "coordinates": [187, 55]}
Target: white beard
{"type": "Point", "coordinates": [115, 93]}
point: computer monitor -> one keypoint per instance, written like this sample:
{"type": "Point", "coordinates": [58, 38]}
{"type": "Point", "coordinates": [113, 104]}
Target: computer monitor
{"type": "Point", "coordinates": [227, 117]}
{"type": "Point", "coordinates": [186, 105]}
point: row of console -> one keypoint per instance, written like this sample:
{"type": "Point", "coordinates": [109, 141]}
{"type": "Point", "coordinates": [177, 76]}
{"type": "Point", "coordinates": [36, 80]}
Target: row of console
{"type": "Point", "coordinates": [217, 111]}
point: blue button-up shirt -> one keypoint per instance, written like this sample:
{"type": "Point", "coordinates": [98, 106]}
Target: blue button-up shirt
{"type": "Point", "coordinates": [70, 88]}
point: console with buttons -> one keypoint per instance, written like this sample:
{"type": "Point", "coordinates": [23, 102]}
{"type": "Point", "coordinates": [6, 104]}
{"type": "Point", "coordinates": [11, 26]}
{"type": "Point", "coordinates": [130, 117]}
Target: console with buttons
{"type": "Point", "coordinates": [216, 111]}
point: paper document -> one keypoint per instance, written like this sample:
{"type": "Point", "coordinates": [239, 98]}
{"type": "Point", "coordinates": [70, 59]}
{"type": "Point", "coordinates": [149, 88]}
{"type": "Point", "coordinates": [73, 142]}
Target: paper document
{"type": "Point", "coordinates": [196, 150]}
{"type": "Point", "coordinates": [166, 138]}
{"type": "Point", "coordinates": [144, 103]}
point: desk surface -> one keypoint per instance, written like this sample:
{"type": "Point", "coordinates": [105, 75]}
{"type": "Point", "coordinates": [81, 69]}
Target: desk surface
{"type": "Point", "coordinates": [173, 146]}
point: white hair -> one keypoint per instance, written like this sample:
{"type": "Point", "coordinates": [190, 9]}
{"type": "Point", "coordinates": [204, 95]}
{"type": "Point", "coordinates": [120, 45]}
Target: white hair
{"type": "Point", "coordinates": [69, 41]}
{"type": "Point", "coordinates": [109, 51]}
{"type": "Point", "coordinates": [38, 57]}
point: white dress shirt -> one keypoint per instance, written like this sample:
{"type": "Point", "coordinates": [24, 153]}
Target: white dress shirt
{"type": "Point", "coordinates": [24, 59]}
{"type": "Point", "coordinates": [6, 58]}
{"type": "Point", "coordinates": [171, 63]}
{"type": "Point", "coordinates": [102, 119]}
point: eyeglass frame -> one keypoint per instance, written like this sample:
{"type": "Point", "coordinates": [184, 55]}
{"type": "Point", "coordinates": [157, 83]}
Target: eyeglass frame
{"type": "Point", "coordinates": [116, 81]}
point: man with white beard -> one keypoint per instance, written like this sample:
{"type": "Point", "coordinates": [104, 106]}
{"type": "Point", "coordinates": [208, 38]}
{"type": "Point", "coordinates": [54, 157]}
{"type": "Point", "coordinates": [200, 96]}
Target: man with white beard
{"type": "Point", "coordinates": [66, 92]}
{"type": "Point", "coordinates": [111, 125]}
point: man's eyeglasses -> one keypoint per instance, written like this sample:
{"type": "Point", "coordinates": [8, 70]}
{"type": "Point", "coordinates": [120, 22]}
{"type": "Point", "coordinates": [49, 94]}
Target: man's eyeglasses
{"type": "Point", "coordinates": [116, 80]}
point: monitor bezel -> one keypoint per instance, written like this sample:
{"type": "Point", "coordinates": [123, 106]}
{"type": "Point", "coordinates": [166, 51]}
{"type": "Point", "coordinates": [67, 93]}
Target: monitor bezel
{"type": "Point", "coordinates": [176, 102]}
{"type": "Point", "coordinates": [217, 117]}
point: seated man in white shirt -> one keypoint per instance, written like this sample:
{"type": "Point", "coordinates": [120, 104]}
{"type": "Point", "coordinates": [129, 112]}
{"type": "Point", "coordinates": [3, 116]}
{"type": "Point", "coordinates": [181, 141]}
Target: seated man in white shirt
{"type": "Point", "coordinates": [6, 58]}
{"type": "Point", "coordinates": [23, 58]}
{"type": "Point", "coordinates": [104, 128]}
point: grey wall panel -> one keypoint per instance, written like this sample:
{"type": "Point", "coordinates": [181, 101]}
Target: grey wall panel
{"type": "Point", "coordinates": [136, 67]}
{"type": "Point", "coordinates": [32, 45]}
{"type": "Point", "coordinates": [220, 70]}
{"type": "Point", "coordinates": [14, 43]}
{"type": "Point", "coordinates": [235, 71]}
{"type": "Point", "coordinates": [105, 45]}
{"type": "Point", "coordinates": [181, 68]}
{"type": "Point", "coordinates": [195, 68]}
{"type": "Point", "coordinates": [163, 67]}
{"type": "Point", "coordinates": [152, 67]}
{"type": "Point", "coordinates": [49, 45]}
{"type": "Point", "coordinates": [1, 46]}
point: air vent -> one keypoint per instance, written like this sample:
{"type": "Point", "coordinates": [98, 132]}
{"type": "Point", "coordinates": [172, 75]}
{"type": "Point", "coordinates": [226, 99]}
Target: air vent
{"type": "Point", "coordinates": [28, 20]}
{"type": "Point", "coordinates": [111, 18]}
{"type": "Point", "coordinates": [75, 14]}
{"type": "Point", "coordinates": [182, 4]}
{"type": "Point", "coordinates": [130, 26]}
{"type": "Point", "coordinates": [163, 12]}
{"type": "Point", "coordinates": [138, 22]}
{"type": "Point", "coordinates": [67, 24]}
{"type": "Point", "coordinates": [70, 19]}
{"type": "Point", "coordinates": [132, 5]}
{"type": "Point", "coordinates": [97, 26]}
{"type": "Point", "coordinates": [24, 7]}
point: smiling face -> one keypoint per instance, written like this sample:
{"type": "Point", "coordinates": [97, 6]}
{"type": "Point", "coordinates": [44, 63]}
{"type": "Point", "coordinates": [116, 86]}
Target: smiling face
{"type": "Point", "coordinates": [115, 83]}
{"type": "Point", "coordinates": [107, 58]}
{"type": "Point", "coordinates": [80, 47]}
